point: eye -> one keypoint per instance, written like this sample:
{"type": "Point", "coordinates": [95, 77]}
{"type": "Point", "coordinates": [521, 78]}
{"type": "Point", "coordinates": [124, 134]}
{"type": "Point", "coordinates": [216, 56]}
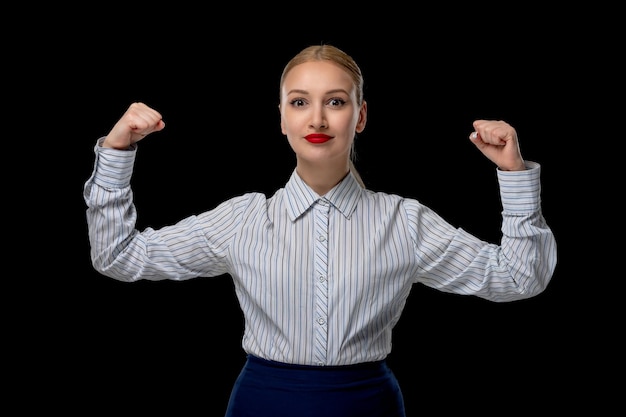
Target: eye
{"type": "Point", "coordinates": [336, 102]}
{"type": "Point", "coordinates": [297, 102]}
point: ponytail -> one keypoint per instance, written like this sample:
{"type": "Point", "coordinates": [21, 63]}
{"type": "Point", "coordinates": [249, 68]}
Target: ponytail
{"type": "Point", "coordinates": [356, 174]}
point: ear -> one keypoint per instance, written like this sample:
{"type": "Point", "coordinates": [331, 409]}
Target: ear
{"type": "Point", "coordinates": [360, 125]}
{"type": "Point", "coordinates": [282, 125]}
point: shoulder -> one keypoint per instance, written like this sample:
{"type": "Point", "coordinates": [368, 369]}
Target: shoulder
{"type": "Point", "coordinates": [253, 203]}
{"type": "Point", "coordinates": [250, 201]}
{"type": "Point", "coordinates": [383, 197]}
{"type": "Point", "coordinates": [391, 201]}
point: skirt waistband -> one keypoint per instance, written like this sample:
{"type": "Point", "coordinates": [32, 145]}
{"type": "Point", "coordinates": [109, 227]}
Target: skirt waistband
{"type": "Point", "coordinates": [375, 365]}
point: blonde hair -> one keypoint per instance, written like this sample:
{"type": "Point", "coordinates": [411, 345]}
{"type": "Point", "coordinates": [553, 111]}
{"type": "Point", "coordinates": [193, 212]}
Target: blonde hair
{"type": "Point", "coordinates": [325, 52]}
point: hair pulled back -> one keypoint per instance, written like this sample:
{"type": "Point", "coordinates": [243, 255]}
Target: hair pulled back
{"type": "Point", "coordinates": [326, 52]}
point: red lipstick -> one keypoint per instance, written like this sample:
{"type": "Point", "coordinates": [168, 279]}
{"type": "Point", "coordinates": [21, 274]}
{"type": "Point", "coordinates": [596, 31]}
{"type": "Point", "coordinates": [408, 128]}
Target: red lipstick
{"type": "Point", "coordinates": [317, 138]}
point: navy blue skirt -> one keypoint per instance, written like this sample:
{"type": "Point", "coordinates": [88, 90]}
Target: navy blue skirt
{"type": "Point", "coordinates": [274, 389]}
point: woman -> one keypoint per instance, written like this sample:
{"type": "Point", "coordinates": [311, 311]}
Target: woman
{"type": "Point", "coordinates": [323, 267]}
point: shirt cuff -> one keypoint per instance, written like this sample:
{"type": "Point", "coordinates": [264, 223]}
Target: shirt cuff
{"type": "Point", "coordinates": [113, 167]}
{"type": "Point", "coordinates": [520, 191]}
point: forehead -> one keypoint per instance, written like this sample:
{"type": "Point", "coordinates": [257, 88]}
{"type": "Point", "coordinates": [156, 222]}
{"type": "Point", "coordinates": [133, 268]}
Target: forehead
{"type": "Point", "coordinates": [316, 76]}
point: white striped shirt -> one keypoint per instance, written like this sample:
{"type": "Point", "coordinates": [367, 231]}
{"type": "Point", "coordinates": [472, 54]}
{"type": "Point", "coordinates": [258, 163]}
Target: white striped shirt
{"type": "Point", "coordinates": [322, 280]}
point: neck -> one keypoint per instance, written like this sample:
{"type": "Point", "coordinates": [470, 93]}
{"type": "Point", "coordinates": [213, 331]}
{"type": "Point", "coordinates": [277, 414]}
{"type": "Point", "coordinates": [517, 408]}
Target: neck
{"type": "Point", "coordinates": [322, 179]}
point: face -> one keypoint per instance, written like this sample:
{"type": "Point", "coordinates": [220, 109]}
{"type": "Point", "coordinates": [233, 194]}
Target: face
{"type": "Point", "coordinates": [319, 113]}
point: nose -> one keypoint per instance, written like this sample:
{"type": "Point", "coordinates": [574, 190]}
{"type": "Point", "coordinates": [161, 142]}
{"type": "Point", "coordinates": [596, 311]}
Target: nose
{"type": "Point", "coordinates": [318, 118]}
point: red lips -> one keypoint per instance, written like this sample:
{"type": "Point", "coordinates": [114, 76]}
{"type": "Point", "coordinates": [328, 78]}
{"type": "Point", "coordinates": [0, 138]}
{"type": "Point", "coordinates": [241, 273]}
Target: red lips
{"type": "Point", "coordinates": [317, 138]}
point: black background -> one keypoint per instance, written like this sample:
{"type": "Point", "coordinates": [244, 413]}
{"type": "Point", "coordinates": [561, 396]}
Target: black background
{"type": "Point", "coordinates": [93, 344]}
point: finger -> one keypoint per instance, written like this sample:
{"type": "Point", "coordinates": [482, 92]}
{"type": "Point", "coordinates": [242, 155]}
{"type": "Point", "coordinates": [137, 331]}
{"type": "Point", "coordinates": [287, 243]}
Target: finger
{"type": "Point", "coordinates": [476, 139]}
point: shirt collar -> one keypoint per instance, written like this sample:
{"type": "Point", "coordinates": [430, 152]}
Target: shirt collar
{"type": "Point", "coordinates": [300, 197]}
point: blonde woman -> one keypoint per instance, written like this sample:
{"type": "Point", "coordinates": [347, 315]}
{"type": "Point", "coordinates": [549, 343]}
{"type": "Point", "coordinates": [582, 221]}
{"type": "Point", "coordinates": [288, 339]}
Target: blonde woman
{"type": "Point", "coordinates": [322, 268]}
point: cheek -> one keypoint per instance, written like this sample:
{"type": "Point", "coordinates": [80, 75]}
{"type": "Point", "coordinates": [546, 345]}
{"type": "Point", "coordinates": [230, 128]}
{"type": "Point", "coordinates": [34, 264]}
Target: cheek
{"type": "Point", "coordinates": [291, 122]}
{"type": "Point", "coordinates": [344, 122]}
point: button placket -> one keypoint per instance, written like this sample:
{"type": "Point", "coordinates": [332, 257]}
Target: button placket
{"type": "Point", "coordinates": [321, 210]}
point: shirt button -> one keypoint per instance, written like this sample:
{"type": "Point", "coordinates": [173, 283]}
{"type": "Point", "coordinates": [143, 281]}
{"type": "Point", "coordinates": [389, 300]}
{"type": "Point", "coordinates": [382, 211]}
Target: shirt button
{"type": "Point", "coordinates": [321, 320]}
{"type": "Point", "coordinates": [322, 278]}
{"type": "Point", "coordinates": [321, 238]}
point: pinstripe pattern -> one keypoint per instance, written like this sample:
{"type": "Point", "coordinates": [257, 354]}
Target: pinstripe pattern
{"type": "Point", "coordinates": [322, 208]}
{"type": "Point", "coordinates": [377, 245]}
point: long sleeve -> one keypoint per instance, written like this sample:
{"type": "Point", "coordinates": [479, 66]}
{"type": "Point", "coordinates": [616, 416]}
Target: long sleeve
{"type": "Point", "coordinates": [521, 266]}
{"type": "Point", "coordinates": [120, 251]}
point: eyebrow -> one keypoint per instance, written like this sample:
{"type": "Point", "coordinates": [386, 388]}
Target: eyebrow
{"type": "Point", "coordinates": [338, 90]}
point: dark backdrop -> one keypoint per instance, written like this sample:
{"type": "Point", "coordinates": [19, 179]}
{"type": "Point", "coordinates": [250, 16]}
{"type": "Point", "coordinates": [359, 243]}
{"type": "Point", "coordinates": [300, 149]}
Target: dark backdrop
{"type": "Point", "coordinates": [98, 345]}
